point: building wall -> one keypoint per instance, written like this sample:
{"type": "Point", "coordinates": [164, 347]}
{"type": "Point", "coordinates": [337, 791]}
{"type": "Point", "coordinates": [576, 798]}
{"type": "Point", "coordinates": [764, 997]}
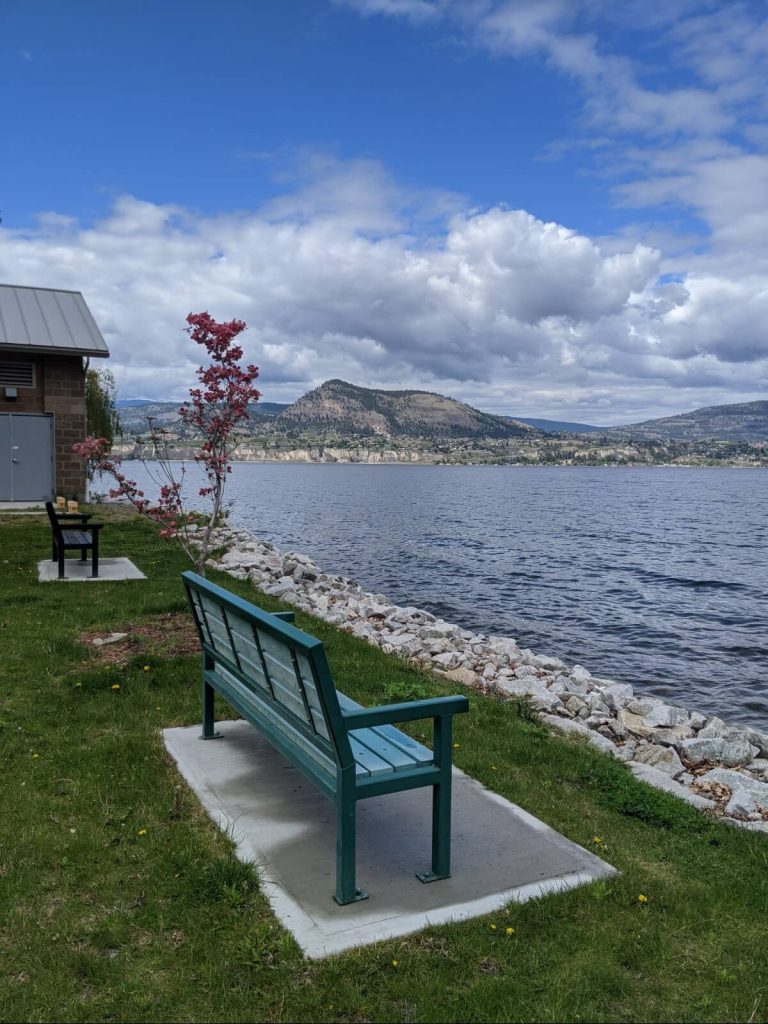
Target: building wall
{"type": "Point", "coordinates": [59, 389]}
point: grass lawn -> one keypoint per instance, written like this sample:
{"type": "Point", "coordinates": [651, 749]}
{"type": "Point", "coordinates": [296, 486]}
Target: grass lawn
{"type": "Point", "coordinates": [119, 900]}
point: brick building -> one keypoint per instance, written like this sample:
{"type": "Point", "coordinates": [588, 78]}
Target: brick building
{"type": "Point", "coordinates": [47, 337]}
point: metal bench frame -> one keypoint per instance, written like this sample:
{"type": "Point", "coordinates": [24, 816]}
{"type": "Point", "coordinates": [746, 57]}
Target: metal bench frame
{"type": "Point", "coordinates": [252, 658]}
{"type": "Point", "coordinates": [86, 538]}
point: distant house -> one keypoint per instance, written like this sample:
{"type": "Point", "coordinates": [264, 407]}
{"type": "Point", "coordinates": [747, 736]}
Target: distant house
{"type": "Point", "coordinates": [47, 337]}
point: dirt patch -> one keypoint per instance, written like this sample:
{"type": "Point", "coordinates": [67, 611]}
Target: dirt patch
{"type": "Point", "coordinates": [169, 634]}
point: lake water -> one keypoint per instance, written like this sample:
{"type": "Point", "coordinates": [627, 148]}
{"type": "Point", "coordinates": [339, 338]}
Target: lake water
{"type": "Point", "coordinates": [656, 577]}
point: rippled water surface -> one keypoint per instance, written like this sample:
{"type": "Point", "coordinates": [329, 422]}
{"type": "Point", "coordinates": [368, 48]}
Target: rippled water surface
{"type": "Point", "coordinates": [658, 577]}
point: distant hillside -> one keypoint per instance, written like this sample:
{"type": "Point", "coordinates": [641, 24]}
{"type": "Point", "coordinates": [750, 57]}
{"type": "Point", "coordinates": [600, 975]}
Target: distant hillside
{"type": "Point", "coordinates": [747, 421]}
{"type": "Point", "coordinates": [560, 426]}
{"type": "Point", "coordinates": [347, 409]}
{"type": "Point", "coordinates": [134, 413]}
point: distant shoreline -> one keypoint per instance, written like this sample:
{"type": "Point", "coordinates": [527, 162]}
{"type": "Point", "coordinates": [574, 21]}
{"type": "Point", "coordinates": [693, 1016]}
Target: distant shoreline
{"type": "Point", "coordinates": [420, 464]}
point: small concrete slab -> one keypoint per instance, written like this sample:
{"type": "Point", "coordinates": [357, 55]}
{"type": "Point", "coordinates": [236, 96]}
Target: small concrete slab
{"type": "Point", "coordinates": [280, 822]}
{"type": "Point", "coordinates": [110, 569]}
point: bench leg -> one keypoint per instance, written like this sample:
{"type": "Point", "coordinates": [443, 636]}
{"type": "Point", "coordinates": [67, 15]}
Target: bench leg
{"type": "Point", "coordinates": [94, 554]}
{"type": "Point", "coordinates": [61, 563]}
{"type": "Point", "coordinates": [346, 815]}
{"type": "Point", "coordinates": [441, 807]}
{"type": "Point", "coordinates": [209, 728]}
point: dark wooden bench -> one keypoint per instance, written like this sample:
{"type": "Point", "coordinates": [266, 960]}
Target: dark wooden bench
{"type": "Point", "coordinates": [65, 537]}
{"type": "Point", "coordinates": [278, 678]}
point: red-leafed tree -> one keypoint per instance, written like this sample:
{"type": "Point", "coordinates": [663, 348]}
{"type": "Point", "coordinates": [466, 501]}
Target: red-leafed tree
{"type": "Point", "coordinates": [213, 412]}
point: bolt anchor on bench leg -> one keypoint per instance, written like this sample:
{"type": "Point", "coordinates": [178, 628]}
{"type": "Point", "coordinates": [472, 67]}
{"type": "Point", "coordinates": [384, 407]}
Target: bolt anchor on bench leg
{"type": "Point", "coordinates": [346, 853]}
{"type": "Point", "coordinates": [441, 811]}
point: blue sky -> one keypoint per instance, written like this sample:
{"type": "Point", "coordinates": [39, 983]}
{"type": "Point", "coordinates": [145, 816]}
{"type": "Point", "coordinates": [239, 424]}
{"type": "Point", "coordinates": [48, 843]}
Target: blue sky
{"type": "Point", "coordinates": [551, 208]}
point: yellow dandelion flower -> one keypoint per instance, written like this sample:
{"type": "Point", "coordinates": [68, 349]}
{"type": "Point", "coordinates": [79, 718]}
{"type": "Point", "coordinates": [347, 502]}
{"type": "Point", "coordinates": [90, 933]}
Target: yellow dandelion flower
{"type": "Point", "coordinates": [493, 927]}
{"type": "Point", "coordinates": [456, 746]}
{"type": "Point", "coordinates": [78, 684]}
{"type": "Point", "coordinates": [34, 756]}
{"type": "Point", "coordinates": [146, 668]}
{"type": "Point", "coordinates": [597, 840]}
{"type": "Point", "coordinates": [510, 931]}
{"type": "Point", "coordinates": [395, 963]}
{"type": "Point", "coordinates": [115, 686]}
{"type": "Point", "coordinates": [642, 899]}
{"type": "Point", "coordinates": [142, 832]}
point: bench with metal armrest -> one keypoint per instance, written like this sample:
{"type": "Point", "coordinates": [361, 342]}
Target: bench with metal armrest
{"type": "Point", "coordinates": [279, 679]}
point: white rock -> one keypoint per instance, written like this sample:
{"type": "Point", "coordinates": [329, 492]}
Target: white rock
{"type": "Point", "coordinates": [716, 749]}
{"type": "Point", "coordinates": [759, 740]}
{"type": "Point", "coordinates": [713, 727]}
{"type": "Point", "coordinates": [672, 737]}
{"type": "Point", "coordinates": [579, 729]}
{"type": "Point", "coordinates": [448, 660]}
{"type": "Point", "coordinates": [617, 695]}
{"type": "Point", "coordinates": [542, 661]}
{"type": "Point", "coordinates": [660, 780]}
{"type": "Point", "coordinates": [626, 751]}
{"type": "Point", "coordinates": [113, 638]}
{"type": "Point", "coordinates": [578, 687]}
{"type": "Point", "coordinates": [666, 715]}
{"type": "Point", "coordinates": [663, 758]}
{"type": "Point", "coordinates": [741, 804]}
{"type": "Point", "coordinates": [736, 780]}
{"type": "Point", "coordinates": [539, 696]}
{"type": "Point", "coordinates": [642, 705]}
{"type": "Point", "coordinates": [751, 826]}
{"type": "Point", "coordinates": [462, 675]}
{"type": "Point", "coordinates": [574, 704]}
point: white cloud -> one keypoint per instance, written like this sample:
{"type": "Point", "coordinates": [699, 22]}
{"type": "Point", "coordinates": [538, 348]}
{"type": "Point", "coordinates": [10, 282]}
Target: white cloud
{"type": "Point", "coordinates": [496, 307]}
{"type": "Point", "coordinates": [414, 10]}
{"type": "Point", "coordinates": [685, 127]}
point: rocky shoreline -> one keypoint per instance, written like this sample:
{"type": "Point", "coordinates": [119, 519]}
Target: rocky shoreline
{"type": "Point", "coordinates": [717, 768]}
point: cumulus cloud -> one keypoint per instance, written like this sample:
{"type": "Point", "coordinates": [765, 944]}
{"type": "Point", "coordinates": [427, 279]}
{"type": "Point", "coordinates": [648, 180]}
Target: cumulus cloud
{"type": "Point", "coordinates": [492, 306]}
{"type": "Point", "coordinates": [695, 139]}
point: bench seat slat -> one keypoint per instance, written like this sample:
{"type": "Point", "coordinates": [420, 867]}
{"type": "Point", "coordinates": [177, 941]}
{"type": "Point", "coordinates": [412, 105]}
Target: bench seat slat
{"type": "Point", "coordinates": [416, 752]}
{"type": "Point", "coordinates": [381, 746]}
{"type": "Point", "coordinates": [366, 761]}
{"type": "Point", "coordinates": [77, 538]}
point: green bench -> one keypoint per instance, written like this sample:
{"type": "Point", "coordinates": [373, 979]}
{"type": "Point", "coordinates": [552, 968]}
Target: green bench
{"type": "Point", "coordinates": [278, 678]}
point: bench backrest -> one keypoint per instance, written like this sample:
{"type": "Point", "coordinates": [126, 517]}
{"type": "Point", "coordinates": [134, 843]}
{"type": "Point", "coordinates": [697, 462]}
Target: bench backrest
{"type": "Point", "coordinates": [278, 672]}
{"type": "Point", "coordinates": [55, 524]}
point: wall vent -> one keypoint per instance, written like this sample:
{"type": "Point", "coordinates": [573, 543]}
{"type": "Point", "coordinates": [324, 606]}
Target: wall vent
{"type": "Point", "coordinates": [17, 375]}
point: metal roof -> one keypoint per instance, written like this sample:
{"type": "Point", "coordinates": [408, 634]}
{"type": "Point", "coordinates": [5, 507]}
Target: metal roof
{"type": "Point", "coordinates": [48, 320]}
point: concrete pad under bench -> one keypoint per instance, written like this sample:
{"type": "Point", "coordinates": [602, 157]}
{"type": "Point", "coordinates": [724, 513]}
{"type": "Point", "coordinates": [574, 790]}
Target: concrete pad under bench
{"type": "Point", "coordinates": [284, 825]}
{"type": "Point", "coordinates": [77, 571]}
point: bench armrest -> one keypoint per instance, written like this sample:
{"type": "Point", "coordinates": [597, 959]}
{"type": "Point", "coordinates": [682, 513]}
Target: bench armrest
{"type": "Point", "coordinates": [285, 616]}
{"type": "Point", "coordinates": [388, 714]}
{"type": "Point", "coordinates": [83, 517]}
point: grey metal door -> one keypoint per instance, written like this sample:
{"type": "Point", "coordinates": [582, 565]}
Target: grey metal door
{"type": "Point", "coordinates": [26, 457]}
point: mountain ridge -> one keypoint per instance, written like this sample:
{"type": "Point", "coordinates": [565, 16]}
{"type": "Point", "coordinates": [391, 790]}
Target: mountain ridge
{"type": "Point", "coordinates": [350, 409]}
{"type": "Point", "coordinates": [342, 409]}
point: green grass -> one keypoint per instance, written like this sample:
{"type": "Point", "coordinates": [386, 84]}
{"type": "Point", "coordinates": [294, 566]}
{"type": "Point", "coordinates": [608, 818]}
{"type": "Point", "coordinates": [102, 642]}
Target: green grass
{"type": "Point", "coordinates": [119, 900]}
